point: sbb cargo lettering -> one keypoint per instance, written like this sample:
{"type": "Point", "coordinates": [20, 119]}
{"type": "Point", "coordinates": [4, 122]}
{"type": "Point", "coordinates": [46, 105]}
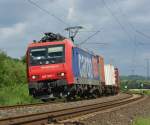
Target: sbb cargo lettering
{"type": "Point", "coordinates": [85, 66]}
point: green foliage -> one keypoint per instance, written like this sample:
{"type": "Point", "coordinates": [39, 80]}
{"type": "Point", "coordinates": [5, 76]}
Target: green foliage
{"type": "Point", "coordinates": [12, 71]}
{"type": "Point", "coordinates": [13, 83]}
{"type": "Point", "coordinates": [135, 84]}
{"type": "Point", "coordinates": [132, 77]}
{"type": "Point", "coordinates": [142, 121]}
{"type": "Point", "coordinates": [23, 59]}
{"type": "Point", "coordinates": [16, 94]}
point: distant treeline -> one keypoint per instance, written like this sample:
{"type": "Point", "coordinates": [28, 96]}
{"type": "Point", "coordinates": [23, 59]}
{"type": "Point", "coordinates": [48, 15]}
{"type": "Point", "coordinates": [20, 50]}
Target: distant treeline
{"type": "Point", "coordinates": [134, 77]}
{"type": "Point", "coordinates": [135, 82]}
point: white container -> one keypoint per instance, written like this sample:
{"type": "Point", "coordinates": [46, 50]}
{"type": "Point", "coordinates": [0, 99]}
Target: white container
{"type": "Point", "coordinates": [109, 75]}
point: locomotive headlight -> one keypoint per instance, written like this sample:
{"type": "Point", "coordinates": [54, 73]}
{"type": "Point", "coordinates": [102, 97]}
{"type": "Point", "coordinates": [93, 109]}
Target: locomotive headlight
{"type": "Point", "coordinates": [33, 77]}
{"type": "Point", "coordinates": [62, 74]}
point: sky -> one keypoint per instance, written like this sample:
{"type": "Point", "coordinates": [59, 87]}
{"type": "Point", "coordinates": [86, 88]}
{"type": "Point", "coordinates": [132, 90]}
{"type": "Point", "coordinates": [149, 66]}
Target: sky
{"type": "Point", "coordinates": [124, 27]}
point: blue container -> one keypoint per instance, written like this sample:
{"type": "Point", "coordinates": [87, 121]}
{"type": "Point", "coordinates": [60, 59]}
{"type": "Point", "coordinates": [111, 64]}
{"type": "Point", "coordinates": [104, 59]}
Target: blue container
{"type": "Point", "coordinates": [85, 64]}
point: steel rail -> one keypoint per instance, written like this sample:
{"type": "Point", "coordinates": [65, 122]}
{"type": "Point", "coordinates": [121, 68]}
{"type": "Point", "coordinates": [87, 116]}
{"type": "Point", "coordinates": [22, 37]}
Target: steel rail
{"type": "Point", "coordinates": [39, 104]}
{"type": "Point", "coordinates": [48, 117]}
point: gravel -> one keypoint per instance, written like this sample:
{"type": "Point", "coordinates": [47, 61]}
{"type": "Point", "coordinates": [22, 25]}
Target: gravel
{"type": "Point", "coordinates": [123, 116]}
{"type": "Point", "coordinates": [51, 107]}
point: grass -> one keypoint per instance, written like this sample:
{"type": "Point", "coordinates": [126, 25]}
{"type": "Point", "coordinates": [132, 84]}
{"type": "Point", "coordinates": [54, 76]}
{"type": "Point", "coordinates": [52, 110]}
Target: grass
{"type": "Point", "coordinates": [16, 94]}
{"type": "Point", "coordinates": [142, 121]}
{"type": "Point", "coordinates": [140, 91]}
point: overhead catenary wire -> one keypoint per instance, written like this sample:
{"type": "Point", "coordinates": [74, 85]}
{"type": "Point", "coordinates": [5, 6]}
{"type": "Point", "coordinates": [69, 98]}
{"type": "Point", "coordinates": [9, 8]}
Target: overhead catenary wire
{"type": "Point", "coordinates": [84, 41]}
{"type": "Point", "coordinates": [143, 34]}
{"type": "Point", "coordinates": [136, 43]}
{"type": "Point", "coordinates": [129, 23]}
{"type": "Point", "coordinates": [127, 33]}
{"type": "Point", "coordinates": [133, 58]}
{"type": "Point", "coordinates": [116, 19]}
{"type": "Point", "coordinates": [46, 11]}
{"type": "Point", "coordinates": [59, 19]}
{"type": "Point", "coordinates": [124, 15]}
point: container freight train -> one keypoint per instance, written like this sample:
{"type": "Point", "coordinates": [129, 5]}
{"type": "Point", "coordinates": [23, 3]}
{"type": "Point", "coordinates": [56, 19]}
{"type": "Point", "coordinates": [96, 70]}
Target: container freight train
{"type": "Point", "coordinates": [58, 68]}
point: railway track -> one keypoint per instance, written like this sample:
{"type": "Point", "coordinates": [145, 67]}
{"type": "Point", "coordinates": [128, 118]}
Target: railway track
{"type": "Point", "coordinates": [66, 113]}
{"type": "Point", "coordinates": [42, 104]}
{"type": "Point", "coordinates": [25, 105]}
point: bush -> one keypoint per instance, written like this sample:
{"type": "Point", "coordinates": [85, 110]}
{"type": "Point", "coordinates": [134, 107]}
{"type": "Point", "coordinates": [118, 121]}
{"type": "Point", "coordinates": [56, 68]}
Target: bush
{"type": "Point", "coordinates": [13, 83]}
{"type": "Point", "coordinates": [12, 71]}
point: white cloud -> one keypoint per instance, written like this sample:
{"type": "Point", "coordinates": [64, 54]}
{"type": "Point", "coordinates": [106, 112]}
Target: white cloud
{"type": "Point", "coordinates": [8, 33]}
{"type": "Point", "coordinates": [71, 11]}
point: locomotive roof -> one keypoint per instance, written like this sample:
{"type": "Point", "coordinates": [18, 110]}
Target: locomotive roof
{"type": "Point", "coordinates": [51, 38]}
{"type": "Point", "coordinates": [34, 44]}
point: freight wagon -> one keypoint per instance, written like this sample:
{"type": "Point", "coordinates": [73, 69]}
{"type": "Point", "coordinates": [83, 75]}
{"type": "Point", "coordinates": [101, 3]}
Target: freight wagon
{"type": "Point", "coordinates": [111, 79]}
{"type": "Point", "coordinates": [57, 68]}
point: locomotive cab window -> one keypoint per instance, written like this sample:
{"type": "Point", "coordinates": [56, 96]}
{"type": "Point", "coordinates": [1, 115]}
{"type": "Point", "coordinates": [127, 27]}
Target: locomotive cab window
{"type": "Point", "coordinates": [39, 53]}
{"type": "Point", "coordinates": [56, 54]}
{"type": "Point", "coordinates": [47, 55]}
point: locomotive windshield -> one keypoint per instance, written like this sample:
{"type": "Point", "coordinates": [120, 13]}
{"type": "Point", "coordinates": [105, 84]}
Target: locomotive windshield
{"type": "Point", "coordinates": [47, 55]}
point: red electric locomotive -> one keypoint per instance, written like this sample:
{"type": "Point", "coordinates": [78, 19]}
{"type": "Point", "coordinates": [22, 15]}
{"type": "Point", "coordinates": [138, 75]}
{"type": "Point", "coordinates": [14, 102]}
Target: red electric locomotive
{"type": "Point", "coordinates": [57, 68]}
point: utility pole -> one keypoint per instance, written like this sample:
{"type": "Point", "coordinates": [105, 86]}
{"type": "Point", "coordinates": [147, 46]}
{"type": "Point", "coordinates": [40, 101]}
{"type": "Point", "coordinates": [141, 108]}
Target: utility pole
{"type": "Point", "coordinates": [133, 68]}
{"type": "Point", "coordinates": [147, 68]}
{"type": "Point", "coordinates": [73, 31]}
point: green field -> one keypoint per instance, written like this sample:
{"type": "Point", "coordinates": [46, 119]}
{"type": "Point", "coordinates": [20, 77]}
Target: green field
{"type": "Point", "coordinates": [140, 91]}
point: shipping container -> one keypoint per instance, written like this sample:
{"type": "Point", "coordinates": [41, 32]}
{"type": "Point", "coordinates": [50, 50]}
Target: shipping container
{"type": "Point", "coordinates": [95, 67]}
{"type": "Point", "coordinates": [85, 66]}
{"type": "Point", "coordinates": [101, 69]}
{"type": "Point", "coordinates": [109, 75]}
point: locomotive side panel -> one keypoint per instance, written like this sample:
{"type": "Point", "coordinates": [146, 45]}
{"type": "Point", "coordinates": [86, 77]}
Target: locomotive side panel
{"type": "Point", "coordinates": [85, 67]}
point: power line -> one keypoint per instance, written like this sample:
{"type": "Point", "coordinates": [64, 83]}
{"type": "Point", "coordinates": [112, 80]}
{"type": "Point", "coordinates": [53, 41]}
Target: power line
{"type": "Point", "coordinates": [123, 14]}
{"type": "Point", "coordinates": [84, 41]}
{"type": "Point", "coordinates": [117, 20]}
{"type": "Point", "coordinates": [136, 43]}
{"type": "Point", "coordinates": [129, 23]}
{"type": "Point", "coordinates": [143, 34]}
{"type": "Point", "coordinates": [135, 49]}
{"type": "Point", "coordinates": [133, 60]}
{"type": "Point", "coordinates": [46, 11]}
